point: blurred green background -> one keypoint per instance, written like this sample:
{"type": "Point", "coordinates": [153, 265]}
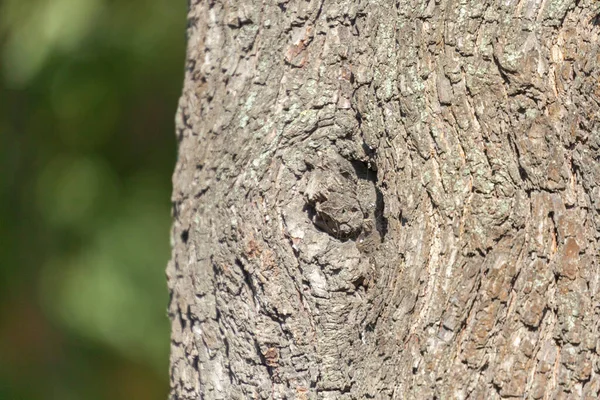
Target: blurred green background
{"type": "Point", "coordinates": [89, 90]}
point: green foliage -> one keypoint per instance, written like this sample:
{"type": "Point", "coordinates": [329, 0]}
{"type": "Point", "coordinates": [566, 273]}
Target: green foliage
{"type": "Point", "coordinates": [87, 147]}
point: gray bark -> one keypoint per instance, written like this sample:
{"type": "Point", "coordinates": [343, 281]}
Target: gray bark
{"type": "Point", "coordinates": [388, 200]}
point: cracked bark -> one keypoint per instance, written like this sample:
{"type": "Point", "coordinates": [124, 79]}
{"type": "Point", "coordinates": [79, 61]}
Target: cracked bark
{"type": "Point", "coordinates": [387, 200]}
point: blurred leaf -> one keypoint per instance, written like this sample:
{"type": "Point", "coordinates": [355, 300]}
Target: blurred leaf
{"type": "Point", "coordinates": [41, 27]}
{"type": "Point", "coordinates": [71, 190]}
{"type": "Point", "coordinates": [108, 292]}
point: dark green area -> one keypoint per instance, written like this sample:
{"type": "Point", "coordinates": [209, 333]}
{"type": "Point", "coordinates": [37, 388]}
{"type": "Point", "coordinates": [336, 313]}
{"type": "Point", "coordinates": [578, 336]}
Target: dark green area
{"type": "Point", "coordinates": [89, 90]}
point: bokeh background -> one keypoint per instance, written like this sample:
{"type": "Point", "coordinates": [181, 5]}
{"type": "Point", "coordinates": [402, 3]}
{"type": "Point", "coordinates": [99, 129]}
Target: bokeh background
{"type": "Point", "coordinates": [88, 93]}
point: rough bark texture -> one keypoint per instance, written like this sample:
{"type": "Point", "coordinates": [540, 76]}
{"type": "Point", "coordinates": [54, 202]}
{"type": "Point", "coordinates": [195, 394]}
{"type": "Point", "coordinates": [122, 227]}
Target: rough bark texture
{"type": "Point", "coordinates": [388, 199]}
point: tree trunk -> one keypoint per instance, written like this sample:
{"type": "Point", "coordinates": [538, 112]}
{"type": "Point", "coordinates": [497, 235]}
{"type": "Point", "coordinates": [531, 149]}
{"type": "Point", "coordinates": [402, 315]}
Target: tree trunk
{"type": "Point", "coordinates": [389, 200]}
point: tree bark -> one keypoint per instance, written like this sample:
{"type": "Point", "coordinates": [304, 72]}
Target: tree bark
{"type": "Point", "coordinates": [387, 200]}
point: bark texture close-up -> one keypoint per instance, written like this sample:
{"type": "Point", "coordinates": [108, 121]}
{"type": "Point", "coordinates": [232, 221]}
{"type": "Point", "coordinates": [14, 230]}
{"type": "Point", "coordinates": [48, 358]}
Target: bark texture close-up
{"type": "Point", "coordinates": [387, 200]}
